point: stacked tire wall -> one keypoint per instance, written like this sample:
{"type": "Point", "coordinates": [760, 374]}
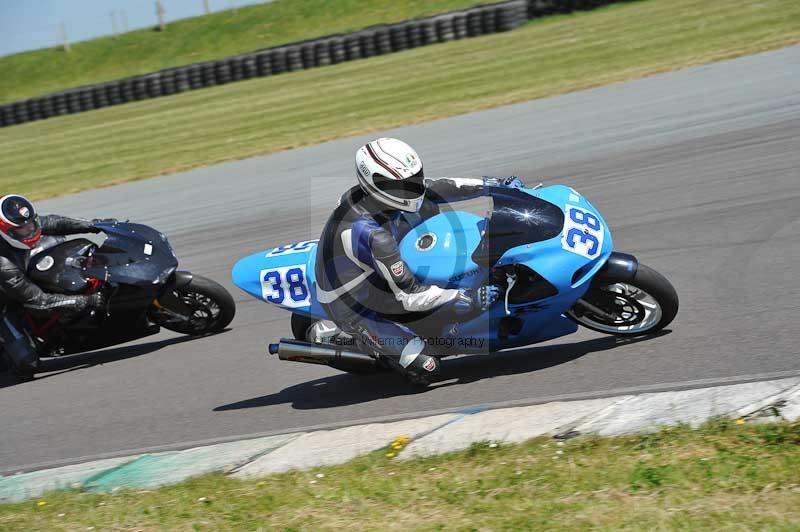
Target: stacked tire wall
{"type": "Point", "coordinates": [330, 50]}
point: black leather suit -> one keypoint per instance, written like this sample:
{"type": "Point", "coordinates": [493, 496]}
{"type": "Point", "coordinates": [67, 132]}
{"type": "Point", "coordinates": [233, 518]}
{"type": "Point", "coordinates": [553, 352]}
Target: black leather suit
{"type": "Point", "coordinates": [18, 293]}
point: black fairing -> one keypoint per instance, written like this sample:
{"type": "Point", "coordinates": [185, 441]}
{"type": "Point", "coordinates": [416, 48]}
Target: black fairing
{"type": "Point", "coordinates": [57, 269]}
{"type": "Point", "coordinates": [135, 263]}
{"type": "Point", "coordinates": [133, 254]}
{"type": "Point", "coordinates": [517, 219]}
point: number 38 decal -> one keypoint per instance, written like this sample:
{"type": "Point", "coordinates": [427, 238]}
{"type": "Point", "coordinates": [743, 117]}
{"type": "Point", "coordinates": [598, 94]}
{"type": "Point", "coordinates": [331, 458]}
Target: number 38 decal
{"type": "Point", "coordinates": [286, 286]}
{"type": "Point", "coordinates": [583, 232]}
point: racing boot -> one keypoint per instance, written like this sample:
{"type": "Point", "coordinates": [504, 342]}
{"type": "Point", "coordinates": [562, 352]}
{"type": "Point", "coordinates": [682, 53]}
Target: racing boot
{"type": "Point", "coordinates": [418, 367]}
{"type": "Point", "coordinates": [423, 370]}
{"type": "Point", "coordinates": [17, 348]}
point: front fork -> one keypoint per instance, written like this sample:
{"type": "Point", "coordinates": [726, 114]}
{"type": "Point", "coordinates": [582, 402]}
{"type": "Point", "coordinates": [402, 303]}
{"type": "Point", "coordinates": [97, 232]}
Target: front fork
{"type": "Point", "coordinates": [169, 304]}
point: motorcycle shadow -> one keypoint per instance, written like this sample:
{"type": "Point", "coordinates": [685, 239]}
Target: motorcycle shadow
{"type": "Point", "coordinates": [52, 367]}
{"type": "Point", "coordinates": [346, 389]}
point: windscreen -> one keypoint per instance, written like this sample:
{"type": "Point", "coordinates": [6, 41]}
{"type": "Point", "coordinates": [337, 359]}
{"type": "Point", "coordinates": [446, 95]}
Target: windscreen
{"type": "Point", "coordinates": [517, 219]}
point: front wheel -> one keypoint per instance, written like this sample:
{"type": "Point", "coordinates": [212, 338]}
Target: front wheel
{"type": "Point", "coordinates": [207, 307]}
{"type": "Point", "coordinates": [643, 305]}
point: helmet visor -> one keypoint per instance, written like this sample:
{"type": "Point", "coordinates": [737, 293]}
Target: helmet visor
{"type": "Point", "coordinates": [25, 231]}
{"type": "Point", "coordinates": [410, 188]}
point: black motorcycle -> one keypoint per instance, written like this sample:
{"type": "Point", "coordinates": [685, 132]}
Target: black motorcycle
{"type": "Point", "coordinates": [136, 267]}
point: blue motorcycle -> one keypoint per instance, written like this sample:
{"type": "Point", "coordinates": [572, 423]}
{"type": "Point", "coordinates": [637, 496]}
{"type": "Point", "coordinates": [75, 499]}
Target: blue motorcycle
{"type": "Point", "coordinates": [549, 248]}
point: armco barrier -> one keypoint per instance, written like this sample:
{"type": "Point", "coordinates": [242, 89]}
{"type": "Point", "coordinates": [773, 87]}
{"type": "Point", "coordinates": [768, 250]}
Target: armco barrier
{"type": "Point", "coordinates": [332, 49]}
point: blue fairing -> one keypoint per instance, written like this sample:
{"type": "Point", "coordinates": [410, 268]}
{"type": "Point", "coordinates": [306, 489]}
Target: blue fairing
{"type": "Point", "coordinates": [439, 251]}
{"type": "Point", "coordinates": [568, 265]}
{"type": "Point", "coordinates": [283, 276]}
{"type": "Point", "coordinates": [553, 232]}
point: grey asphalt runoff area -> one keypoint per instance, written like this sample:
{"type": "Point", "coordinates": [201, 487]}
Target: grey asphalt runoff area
{"type": "Point", "coordinates": [697, 172]}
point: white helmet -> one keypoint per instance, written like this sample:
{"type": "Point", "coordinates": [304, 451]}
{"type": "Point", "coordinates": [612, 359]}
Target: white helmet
{"type": "Point", "coordinates": [390, 171]}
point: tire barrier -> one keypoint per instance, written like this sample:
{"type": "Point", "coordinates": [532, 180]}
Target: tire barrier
{"type": "Point", "coordinates": [249, 69]}
{"type": "Point", "coordinates": [33, 110]}
{"type": "Point", "coordinates": [207, 72]}
{"type": "Point", "coordinates": [7, 116]}
{"type": "Point", "coordinates": [337, 50]}
{"type": "Point", "coordinates": [352, 47]}
{"type": "Point", "coordinates": [398, 37]}
{"type": "Point", "coordinates": [182, 80]}
{"type": "Point", "coordinates": [294, 59]}
{"type": "Point", "coordinates": [474, 23]}
{"type": "Point", "coordinates": [46, 104]}
{"type": "Point", "coordinates": [85, 96]}
{"type": "Point", "coordinates": [20, 112]}
{"type": "Point", "coordinates": [139, 89]}
{"type": "Point", "coordinates": [367, 40]}
{"type": "Point", "coordinates": [99, 98]}
{"type": "Point", "coordinates": [460, 25]}
{"type": "Point", "coordinates": [235, 68]}
{"type": "Point", "coordinates": [113, 93]}
{"type": "Point", "coordinates": [322, 53]}
{"type": "Point", "coordinates": [413, 34]}
{"type": "Point", "coordinates": [383, 40]}
{"type": "Point", "coordinates": [222, 72]}
{"type": "Point", "coordinates": [279, 61]}
{"type": "Point", "coordinates": [428, 29]}
{"type": "Point", "coordinates": [167, 83]}
{"type": "Point", "coordinates": [329, 50]}
{"type": "Point", "coordinates": [445, 28]}
{"type": "Point", "coordinates": [59, 104]}
{"type": "Point", "coordinates": [307, 55]}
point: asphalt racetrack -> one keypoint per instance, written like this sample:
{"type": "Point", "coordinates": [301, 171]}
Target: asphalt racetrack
{"type": "Point", "coordinates": [697, 172]}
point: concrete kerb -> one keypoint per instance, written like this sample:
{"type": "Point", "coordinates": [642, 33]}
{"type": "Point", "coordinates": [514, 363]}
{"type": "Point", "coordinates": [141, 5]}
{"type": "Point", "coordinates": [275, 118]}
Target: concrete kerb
{"type": "Point", "coordinates": [651, 410]}
{"type": "Point", "coordinates": [775, 399]}
{"type": "Point", "coordinates": [338, 446]}
{"type": "Point", "coordinates": [508, 425]}
{"type": "Point", "coordinates": [24, 486]}
{"type": "Point", "coordinates": [153, 470]}
{"type": "Point", "coordinates": [784, 405]}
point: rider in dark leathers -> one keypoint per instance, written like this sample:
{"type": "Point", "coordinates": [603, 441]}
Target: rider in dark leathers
{"type": "Point", "coordinates": [363, 282]}
{"type": "Point", "coordinates": [21, 230]}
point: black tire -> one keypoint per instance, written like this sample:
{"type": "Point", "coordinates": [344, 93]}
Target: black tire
{"type": "Point", "coordinates": [205, 288]}
{"type": "Point", "coordinates": [646, 279]}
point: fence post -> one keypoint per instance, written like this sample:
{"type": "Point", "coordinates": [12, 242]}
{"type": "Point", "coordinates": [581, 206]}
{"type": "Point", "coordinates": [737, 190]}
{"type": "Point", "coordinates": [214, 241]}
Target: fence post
{"type": "Point", "coordinates": [63, 33]}
{"type": "Point", "coordinates": [160, 12]}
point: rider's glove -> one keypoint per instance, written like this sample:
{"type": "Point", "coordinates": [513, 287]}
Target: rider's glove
{"type": "Point", "coordinates": [470, 300]}
{"type": "Point", "coordinates": [96, 301]}
{"type": "Point", "coordinates": [508, 182]}
{"type": "Point", "coordinates": [98, 221]}
{"type": "Point", "coordinates": [512, 182]}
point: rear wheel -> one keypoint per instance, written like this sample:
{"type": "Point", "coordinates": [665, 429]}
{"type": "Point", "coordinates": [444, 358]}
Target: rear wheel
{"type": "Point", "coordinates": [643, 305]}
{"type": "Point", "coordinates": [210, 308]}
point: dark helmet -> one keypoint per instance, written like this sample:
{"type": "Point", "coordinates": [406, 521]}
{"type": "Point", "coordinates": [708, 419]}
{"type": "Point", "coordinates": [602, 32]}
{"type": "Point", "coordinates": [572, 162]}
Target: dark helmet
{"type": "Point", "coordinates": [19, 223]}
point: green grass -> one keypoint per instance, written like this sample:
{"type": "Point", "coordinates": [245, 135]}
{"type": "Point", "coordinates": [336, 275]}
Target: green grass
{"type": "Point", "coordinates": [720, 477]}
{"type": "Point", "coordinates": [200, 39]}
{"type": "Point", "coordinates": [550, 56]}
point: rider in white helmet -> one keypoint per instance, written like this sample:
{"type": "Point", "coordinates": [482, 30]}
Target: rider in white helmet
{"type": "Point", "coordinates": [361, 279]}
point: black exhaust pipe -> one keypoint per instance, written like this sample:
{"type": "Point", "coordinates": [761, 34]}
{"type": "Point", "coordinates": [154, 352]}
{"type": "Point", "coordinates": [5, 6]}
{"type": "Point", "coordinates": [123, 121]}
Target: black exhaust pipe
{"type": "Point", "coordinates": [330, 355]}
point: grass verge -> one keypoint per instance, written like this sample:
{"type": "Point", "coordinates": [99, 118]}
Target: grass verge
{"type": "Point", "coordinates": [200, 39]}
{"type": "Point", "coordinates": [721, 476]}
{"type": "Point", "coordinates": [548, 56]}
